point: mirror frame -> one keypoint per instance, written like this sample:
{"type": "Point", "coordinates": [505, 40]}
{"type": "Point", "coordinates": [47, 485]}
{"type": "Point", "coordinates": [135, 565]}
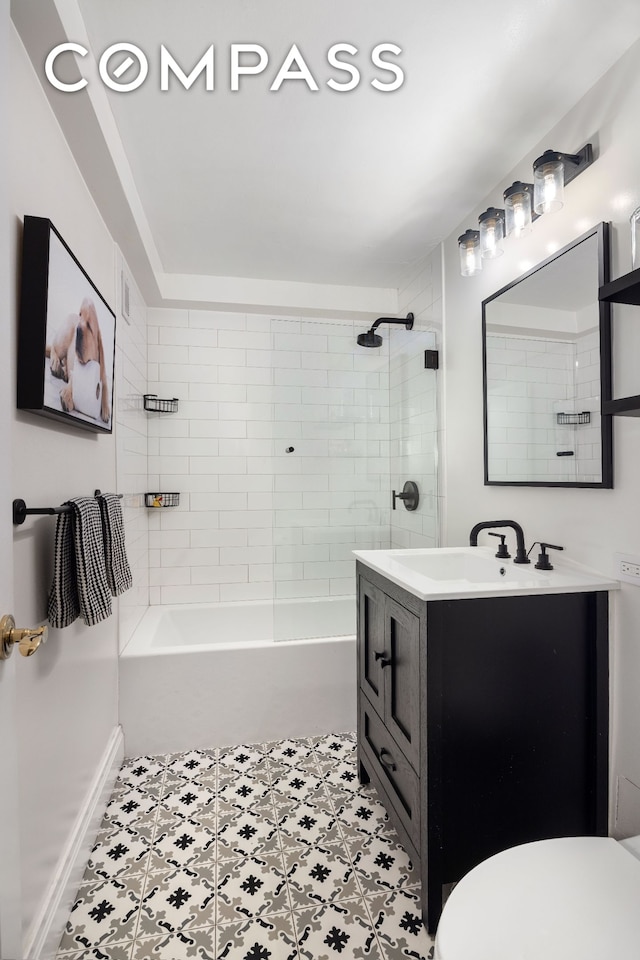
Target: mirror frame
{"type": "Point", "coordinates": [602, 232]}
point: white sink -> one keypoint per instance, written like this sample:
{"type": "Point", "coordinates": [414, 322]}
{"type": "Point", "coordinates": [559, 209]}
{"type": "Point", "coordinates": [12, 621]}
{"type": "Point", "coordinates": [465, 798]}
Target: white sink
{"type": "Point", "coordinates": [468, 572]}
{"type": "Point", "coordinates": [470, 565]}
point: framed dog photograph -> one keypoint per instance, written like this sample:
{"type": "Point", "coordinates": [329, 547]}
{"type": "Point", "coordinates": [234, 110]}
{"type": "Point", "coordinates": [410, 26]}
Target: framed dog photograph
{"type": "Point", "coordinates": [66, 337]}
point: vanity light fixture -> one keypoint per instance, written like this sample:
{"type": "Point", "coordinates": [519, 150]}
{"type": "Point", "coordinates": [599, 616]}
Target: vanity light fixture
{"type": "Point", "coordinates": [523, 203]}
{"type": "Point", "coordinates": [491, 233]}
{"type": "Point", "coordinates": [469, 249]}
{"type": "Point", "coordinates": [552, 172]}
{"type": "Point", "coordinates": [518, 209]}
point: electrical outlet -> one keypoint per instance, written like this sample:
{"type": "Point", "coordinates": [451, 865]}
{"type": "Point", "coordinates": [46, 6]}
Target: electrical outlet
{"type": "Point", "coordinates": [627, 568]}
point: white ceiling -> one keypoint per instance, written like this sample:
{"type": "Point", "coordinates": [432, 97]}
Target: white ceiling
{"type": "Point", "coordinates": [346, 189]}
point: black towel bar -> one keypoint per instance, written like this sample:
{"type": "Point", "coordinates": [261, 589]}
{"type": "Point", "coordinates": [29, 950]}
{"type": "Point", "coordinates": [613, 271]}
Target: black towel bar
{"type": "Point", "coordinates": [21, 511]}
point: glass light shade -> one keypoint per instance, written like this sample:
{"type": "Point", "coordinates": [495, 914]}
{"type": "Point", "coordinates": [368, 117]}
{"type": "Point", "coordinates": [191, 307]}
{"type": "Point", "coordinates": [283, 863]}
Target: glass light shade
{"type": "Point", "coordinates": [548, 186]}
{"type": "Point", "coordinates": [491, 233]}
{"type": "Point", "coordinates": [517, 206]}
{"type": "Point", "coordinates": [469, 249]}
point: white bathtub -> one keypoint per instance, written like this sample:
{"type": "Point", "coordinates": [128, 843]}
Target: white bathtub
{"type": "Point", "coordinates": [203, 675]}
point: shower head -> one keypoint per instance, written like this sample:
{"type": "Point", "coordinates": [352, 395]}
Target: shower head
{"type": "Point", "coordinates": [372, 339]}
{"type": "Point", "coordinates": [369, 339]}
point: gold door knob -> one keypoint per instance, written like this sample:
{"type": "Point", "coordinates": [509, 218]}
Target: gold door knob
{"type": "Point", "coordinates": [28, 640]}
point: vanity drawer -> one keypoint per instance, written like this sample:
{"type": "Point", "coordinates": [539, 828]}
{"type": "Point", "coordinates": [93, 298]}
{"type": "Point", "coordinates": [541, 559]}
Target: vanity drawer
{"type": "Point", "coordinates": [390, 766]}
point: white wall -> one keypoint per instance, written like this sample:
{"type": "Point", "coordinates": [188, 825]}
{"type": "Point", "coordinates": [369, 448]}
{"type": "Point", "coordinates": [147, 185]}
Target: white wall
{"type": "Point", "coordinates": [67, 692]}
{"type": "Point", "coordinates": [590, 524]}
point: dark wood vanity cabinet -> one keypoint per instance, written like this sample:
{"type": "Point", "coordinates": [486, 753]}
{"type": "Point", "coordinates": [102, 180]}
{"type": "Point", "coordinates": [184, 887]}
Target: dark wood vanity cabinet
{"type": "Point", "coordinates": [482, 723]}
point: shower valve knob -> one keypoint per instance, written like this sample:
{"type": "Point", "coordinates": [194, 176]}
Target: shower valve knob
{"type": "Point", "coordinates": [409, 496]}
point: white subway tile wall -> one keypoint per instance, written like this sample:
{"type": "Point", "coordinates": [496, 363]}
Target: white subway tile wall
{"type": "Point", "coordinates": [280, 452]}
{"type": "Point", "coordinates": [131, 447]}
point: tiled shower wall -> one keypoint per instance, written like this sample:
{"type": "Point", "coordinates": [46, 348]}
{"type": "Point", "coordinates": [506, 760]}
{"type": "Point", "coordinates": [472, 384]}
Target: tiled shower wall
{"type": "Point", "coordinates": [131, 447]}
{"type": "Point", "coordinates": [257, 519]}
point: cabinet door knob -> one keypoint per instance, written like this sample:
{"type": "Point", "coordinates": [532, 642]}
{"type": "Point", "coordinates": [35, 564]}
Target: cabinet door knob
{"type": "Point", "coordinates": [381, 655]}
{"type": "Point", "coordinates": [387, 763]}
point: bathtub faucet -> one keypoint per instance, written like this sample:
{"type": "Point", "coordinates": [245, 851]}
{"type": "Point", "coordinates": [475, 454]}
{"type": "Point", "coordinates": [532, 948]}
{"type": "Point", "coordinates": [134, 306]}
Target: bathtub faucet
{"type": "Point", "coordinates": [521, 553]}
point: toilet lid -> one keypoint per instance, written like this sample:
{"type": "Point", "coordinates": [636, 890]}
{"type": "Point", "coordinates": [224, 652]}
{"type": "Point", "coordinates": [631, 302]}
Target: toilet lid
{"type": "Point", "coordinates": [550, 900]}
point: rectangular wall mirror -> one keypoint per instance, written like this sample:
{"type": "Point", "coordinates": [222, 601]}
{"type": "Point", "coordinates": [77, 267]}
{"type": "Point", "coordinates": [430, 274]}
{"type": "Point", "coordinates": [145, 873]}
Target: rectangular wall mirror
{"type": "Point", "coordinates": [547, 369]}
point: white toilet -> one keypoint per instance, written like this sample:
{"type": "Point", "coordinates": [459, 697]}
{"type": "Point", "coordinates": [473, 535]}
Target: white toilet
{"type": "Point", "coordinates": [575, 898]}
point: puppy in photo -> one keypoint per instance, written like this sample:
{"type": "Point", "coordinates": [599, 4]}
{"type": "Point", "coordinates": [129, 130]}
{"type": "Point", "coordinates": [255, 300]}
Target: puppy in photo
{"type": "Point", "coordinates": [79, 340]}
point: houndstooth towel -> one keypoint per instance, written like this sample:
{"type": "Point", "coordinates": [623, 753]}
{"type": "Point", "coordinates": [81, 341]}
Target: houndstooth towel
{"type": "Point", "coordinates": [115, 555]}
{"type": "Point", "coordinates": [79, 585]}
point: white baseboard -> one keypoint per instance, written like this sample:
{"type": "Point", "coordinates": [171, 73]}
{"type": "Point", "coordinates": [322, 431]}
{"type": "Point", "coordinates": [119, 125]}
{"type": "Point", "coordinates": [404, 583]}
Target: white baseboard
{"type": "Point", "coordinates": [47, 928]}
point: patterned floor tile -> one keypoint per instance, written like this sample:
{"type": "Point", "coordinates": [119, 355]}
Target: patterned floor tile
{"type": "Point", "coordinates": [244, 789]}
{"type": "Point", "coordinates": [381, 864]}
{"type": "Point", "coordinates": [113, 951]}
{"type": "Point", "coordinates": [117, 851]}
{"type": "Point", "coordinates": [128, 806]}
{"type": "Point", "coordinates": [265, 938]}
{"type": "Point", "coordinates": [181, 842]}
{"type": "Point", "coordinates": [336, 929]}
{"type": "Point", "coordinates": [296, 754]}
{"type": "Point", "coordinates": [308, 824]}
{"type": "Point", "coordinates": [141, 769]}
{"type": "Point", "coordinates": [252, 887]}
{"type": "Point", "coordinates": [361, 813]}
{"type": "Point", "coordinates": [192, 763]}
{"type": "Point", "coordinates": [152, 785]}
{"type": "Point", "coordinates": [336, 746]}
{"type": "Point", "coordinates": [319, 874]}
{"type": "Point", "coordinates": [397, 920]}
{"type": "Point", "coordinates": [104, 913]}
{"type": "Point", "coordinates": [183, 945]}
{"type": "Point", "coordinates": [247, 835]}
{"type": "Point", "coordinates": [340, 774]}
{"type": "Point", "coordinates": [190, 799]}
{"type": "Point", "coordinates": [295, 787]}
{"type": "Point", "coordinates": [268, 851]}
{"type": "Point", "coordinates": [184, 898]}
{"type": "Point", "coordinates": [242, 757]}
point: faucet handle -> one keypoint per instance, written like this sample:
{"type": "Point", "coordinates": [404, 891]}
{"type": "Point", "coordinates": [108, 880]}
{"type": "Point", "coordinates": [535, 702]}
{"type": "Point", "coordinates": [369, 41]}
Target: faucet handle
{"type": "Point", "coordinates": [503, 553]}
{"type": "Point", "coordinates": [543, 560]}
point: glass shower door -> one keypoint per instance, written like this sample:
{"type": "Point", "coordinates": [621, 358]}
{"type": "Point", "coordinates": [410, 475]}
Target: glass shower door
{"type": "Point", "coordinates": [331, 471]}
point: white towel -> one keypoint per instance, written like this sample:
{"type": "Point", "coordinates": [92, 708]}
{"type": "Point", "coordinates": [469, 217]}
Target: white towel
{"type": "Point", "coordinates": [79, 585]}
{"type": "Point", "coordinates": [118, 571]}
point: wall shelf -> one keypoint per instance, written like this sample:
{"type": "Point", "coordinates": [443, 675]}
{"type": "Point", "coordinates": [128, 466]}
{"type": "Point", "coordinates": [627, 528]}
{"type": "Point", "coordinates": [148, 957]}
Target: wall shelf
{"type": "Point", "coordinates": [162, 499]}
{"type": "Point", "coordinates": [155, 404]}
{"type": "Point", "coordinates": [625, 289]}
{"type": "Point", "coordinates": [624, 407]}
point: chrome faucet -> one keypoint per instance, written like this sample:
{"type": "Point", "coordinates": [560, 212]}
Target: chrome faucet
{"type": "Point", "coordinates": [521, 553]}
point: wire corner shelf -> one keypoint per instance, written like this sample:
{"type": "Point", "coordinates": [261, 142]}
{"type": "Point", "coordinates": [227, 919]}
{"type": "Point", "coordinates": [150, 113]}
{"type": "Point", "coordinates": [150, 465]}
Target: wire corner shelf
{"type": "Point", "coordinates": [161, 499]}
{"type": "Point", "coordinates": [155, 404]}
{"type": "Point", "coordinates": [573, 418]}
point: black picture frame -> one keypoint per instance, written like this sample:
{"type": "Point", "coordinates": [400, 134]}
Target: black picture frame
{"type": "Point", "coordinates": [66, 335]}
{"type": "Point", "coordinates": [602, 234]}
